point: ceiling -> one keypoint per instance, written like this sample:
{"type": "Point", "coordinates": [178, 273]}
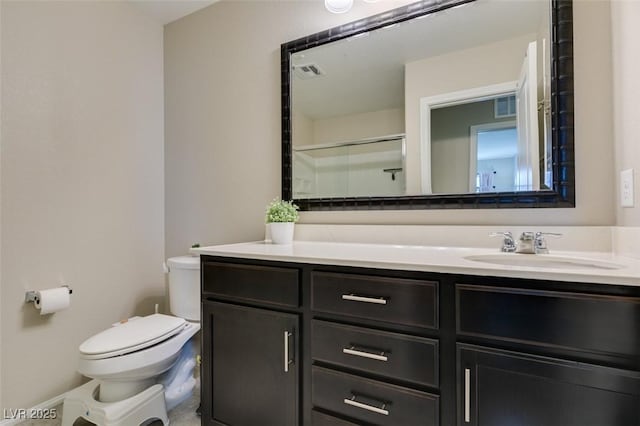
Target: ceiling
{"type": "Point", "coordinates": [166, 11]}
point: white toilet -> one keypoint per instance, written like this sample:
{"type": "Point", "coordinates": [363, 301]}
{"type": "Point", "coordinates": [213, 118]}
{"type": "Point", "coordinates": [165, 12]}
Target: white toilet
{"type": "Point", "coordinates": [126, 360]}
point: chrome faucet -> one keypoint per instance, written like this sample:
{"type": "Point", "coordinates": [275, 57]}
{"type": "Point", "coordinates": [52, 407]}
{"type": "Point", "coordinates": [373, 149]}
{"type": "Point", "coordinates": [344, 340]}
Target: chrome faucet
{"type": "Point", "coordinates": [526, 243]}
{"type": "Point", "coordinates": [508, 243]}
{"type": "Point", "coordinates": [529, 242]}
{"type": "Point", "coordinates": [534, 243]}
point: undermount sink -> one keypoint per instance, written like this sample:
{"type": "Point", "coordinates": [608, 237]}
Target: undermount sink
{"type": "Point", "coordinates": [543, 261]}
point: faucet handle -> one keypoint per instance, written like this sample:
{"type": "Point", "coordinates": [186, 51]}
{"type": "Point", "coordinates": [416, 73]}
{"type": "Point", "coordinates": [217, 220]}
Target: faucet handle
{"type": "Point", "coordinates": [508, 243]}
{"type": "Point", "coordinates": [541, 242]}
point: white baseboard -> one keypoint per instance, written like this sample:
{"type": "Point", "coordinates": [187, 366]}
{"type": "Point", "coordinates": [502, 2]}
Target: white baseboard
{"type": "Point", "coordinates": [47, 405]}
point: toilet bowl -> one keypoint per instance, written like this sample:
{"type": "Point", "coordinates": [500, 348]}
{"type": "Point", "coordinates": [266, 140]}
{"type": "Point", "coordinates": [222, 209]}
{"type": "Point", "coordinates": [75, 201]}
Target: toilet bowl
{"type": "Point", "coordinates": [127, 359]}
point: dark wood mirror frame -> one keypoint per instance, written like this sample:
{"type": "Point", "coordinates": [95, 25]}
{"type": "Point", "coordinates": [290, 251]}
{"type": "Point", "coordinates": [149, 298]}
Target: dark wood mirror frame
{"type": "Point", "coordinates": [562, 121]}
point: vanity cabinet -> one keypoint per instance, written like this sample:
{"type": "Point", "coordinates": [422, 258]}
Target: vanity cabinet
{"type": "Point", "coordinates": [251, 371]}
{"type": "Point", "coordinates": [553, 379]}
{"type": "Point", "coordinates": [290, 343]}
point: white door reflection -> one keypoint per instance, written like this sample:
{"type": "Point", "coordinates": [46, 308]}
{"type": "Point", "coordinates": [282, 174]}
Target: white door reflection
{"type": "Point", "coordinates": [496, 152]}
{"type": "Point", "coordinates": [483, 139]}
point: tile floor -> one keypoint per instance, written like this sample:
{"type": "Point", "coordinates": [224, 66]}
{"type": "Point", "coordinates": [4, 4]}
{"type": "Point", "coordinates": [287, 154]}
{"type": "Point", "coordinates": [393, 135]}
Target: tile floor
{"type": "Point", "coordinates": [182, 415]}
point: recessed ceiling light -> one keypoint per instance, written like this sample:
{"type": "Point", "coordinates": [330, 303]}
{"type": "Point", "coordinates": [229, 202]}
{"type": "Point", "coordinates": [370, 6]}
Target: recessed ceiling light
{"type": "Point", "coordinates": [338, 6]}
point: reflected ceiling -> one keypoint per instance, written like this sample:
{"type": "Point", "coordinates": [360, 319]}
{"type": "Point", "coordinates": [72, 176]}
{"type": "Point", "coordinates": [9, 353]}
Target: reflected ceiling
{"type": "Point", "coordinates": [386, 52]}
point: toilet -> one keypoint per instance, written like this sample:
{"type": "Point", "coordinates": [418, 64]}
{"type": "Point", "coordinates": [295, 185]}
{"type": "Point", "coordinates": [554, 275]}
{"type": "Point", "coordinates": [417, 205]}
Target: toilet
{"type": "Point", "coordinates": [126, 361]}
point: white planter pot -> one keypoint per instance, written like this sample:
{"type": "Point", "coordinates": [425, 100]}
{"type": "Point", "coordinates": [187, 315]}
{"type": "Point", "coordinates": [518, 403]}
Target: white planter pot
{"type": "Point", "coordinates": [282, 232]}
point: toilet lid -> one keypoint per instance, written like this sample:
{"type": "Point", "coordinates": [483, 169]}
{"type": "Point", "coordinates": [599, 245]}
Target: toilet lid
{"type": "Point", "coordinates": [131, 336]}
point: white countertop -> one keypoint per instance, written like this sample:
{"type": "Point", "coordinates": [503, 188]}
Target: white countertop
{"type": "Point", "coordinates": [430, 259]}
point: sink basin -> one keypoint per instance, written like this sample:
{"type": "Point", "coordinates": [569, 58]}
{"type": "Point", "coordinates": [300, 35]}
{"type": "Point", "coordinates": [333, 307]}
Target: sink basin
{"type": "Point", "coordinates": [543, 261]}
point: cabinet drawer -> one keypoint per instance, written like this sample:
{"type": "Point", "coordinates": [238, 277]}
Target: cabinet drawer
{"type": "Point", "coordinates": [270, 284]}
{"type": "Point", "coordinates": [395, 300]}
{"type": "Point", "coordinates": [408, 358]}
{"type": "Point", "coordinates": [583, 322]}
{"type": "Point", "coordinates": [372, 401]}
{"type": "Point", "coordinates": [322, 419]}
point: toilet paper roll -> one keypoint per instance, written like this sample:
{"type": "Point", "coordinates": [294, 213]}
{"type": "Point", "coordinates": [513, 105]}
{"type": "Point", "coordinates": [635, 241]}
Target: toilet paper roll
{"type": "Point", "coordinates": [53, 300]}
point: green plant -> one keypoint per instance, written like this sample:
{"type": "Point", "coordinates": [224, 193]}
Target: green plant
{"type": "Point", "coordinates": [281, 211]}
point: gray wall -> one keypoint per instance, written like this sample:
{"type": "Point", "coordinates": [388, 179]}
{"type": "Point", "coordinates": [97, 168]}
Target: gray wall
{"type": "Point", "coordinates": [222, 83]}
{"type": "Point", "coordinates": [222, 97]}
{"type": "Point", "coordinates": [81, 182]}
{"type": "Point", "coordinates": [626, 92]}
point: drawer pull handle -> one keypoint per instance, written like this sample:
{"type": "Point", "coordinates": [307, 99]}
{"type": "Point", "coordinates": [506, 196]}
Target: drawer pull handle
{"type": "Point", "coordinates": [287, 361]}
{"type": "Point", "coordinates": [352, 401]}
{"type": "Point", "coordinates": [467, 395]}
{"type": "Point", "coordinates": [376, 300]}
{"type": "Point", "coordinates": [353, 351]}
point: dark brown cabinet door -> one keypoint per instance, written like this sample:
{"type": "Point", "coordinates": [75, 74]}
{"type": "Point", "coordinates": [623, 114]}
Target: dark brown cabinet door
{"type": "Point", "coordinates": [251, 374]}
{"type": "Point", "coordinates": [501, 388]}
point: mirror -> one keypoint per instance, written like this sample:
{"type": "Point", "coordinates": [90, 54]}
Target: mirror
{"type": "Point", "coordinates": [439, 104]}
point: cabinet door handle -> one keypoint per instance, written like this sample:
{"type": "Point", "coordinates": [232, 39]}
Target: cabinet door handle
{"type": "Point", "coordinates": [355, 298]}
{"type": "Point", "coordinates": [352, 401]}
{"type": "Point", "coordinates": [353, 351]}
{"type": "Point", "coordinates": [467, 395]}
{"type": "Point", "coordinates": [287, 361]}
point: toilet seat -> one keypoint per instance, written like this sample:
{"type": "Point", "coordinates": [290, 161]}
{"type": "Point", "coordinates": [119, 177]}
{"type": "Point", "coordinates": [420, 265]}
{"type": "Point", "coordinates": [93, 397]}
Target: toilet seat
{"type": "Point", "coordinates": [140, 364]}
{"type": "Point", "coordinates": [132, 336]}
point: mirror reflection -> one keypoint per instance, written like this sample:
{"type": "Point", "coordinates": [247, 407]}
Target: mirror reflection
{"type": "Point", "coordinates": [350, 169]}
{"type": "Point", "coordinates": [452, 102]}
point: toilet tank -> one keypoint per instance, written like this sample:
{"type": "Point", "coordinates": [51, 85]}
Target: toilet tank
{"type": "Point", "coordinates": [184, 287]}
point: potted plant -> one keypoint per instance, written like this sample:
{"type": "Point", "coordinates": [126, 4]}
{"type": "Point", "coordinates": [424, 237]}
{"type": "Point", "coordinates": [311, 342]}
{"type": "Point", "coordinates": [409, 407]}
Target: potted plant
{"type": "Point", "coordinates": [281, 216]}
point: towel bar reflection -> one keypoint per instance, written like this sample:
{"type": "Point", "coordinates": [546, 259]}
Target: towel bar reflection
{"type": "Point", "coordinates": [393, 172]}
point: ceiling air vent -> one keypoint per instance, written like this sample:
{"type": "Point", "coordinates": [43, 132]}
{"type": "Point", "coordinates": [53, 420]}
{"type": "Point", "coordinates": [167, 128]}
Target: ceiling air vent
{"type": "Point", "coordinates": [307, 71]}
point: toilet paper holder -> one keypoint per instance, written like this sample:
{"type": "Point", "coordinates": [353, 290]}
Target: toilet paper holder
{"type": "Point", "coordinates": [32, 296]}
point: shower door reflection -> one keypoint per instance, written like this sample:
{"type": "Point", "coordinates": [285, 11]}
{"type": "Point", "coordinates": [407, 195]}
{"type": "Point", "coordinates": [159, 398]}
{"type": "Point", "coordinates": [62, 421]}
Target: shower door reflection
{"type": "Point", "coordinates": [359, 168]}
